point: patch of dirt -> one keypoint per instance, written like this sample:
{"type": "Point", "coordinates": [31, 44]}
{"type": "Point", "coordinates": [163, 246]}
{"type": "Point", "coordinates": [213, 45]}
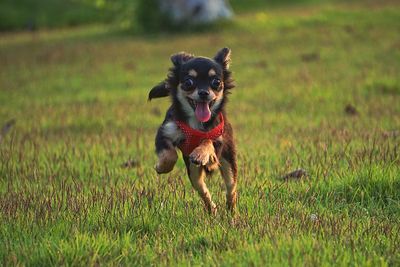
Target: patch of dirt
{"type": "Point", "coordinates": [350, 110]}
{"type": "Point", "coordinates": [131, 163]}
{"type": "Point", "coordinates": [309, 57]}
{"type": "Point", "coordinates": [262, 64]}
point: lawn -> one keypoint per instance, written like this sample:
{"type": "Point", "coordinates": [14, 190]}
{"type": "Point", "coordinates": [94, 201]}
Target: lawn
{"type": "Point", "coordinates": [318, 88]}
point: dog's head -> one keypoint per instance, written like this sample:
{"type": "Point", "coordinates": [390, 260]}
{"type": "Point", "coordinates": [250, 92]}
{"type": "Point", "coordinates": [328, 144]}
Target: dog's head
{"type": "Point", "coordinates": [198, 85]}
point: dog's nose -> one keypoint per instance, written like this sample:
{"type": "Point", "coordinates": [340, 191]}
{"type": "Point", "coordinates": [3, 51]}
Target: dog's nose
{"type": "Point", "coordinates": [204, 93]}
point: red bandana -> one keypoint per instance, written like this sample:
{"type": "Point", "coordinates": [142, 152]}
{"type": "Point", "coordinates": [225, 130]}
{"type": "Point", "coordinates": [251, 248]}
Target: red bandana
{"type": "Point", "coordinates": [193, 137]}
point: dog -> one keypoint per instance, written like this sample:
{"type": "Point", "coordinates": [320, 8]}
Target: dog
{"type": "Point", "coordinates": [197, 123]}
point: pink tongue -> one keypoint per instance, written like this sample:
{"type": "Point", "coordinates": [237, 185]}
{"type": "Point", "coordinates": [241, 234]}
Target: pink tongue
{"type": "Point", "coordinates": [202, 111]}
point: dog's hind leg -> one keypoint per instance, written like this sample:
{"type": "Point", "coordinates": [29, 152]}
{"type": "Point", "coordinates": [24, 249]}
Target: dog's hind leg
{"type": "Point", "coordinates": [197, 175]}
{"type": "Point", "coordinates": [229, 173]}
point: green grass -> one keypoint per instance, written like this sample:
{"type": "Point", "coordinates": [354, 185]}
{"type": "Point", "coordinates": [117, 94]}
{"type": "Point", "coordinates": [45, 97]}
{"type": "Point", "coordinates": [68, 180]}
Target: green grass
{"type": "Point", "coordinates": [32, 14]}
{"type": "Point", "coordinates": [79, 100]}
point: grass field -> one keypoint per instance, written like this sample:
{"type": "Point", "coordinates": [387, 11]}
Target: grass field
{"type": "Point", "coordinates": [318, 88]}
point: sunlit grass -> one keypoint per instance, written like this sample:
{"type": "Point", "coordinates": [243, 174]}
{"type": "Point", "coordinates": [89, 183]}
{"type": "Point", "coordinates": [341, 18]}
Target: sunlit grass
{"type": "Point", "coordinates": [81, 111]}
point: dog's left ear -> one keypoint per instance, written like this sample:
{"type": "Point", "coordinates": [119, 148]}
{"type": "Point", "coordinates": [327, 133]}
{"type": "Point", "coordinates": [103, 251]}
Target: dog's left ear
{"type": "Point", "coordinates": [180, 58]}
{"type": "Point", "coordinates": [223, 57]}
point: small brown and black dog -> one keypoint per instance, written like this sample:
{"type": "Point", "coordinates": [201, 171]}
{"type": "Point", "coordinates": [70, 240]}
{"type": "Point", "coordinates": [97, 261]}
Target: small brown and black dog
{"type": "Point", "coordinates": [196, 122]}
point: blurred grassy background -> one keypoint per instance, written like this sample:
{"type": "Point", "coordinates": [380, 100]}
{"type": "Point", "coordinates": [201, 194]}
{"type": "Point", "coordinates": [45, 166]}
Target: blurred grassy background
{"type": "Point", "coordinates": [33, 14]}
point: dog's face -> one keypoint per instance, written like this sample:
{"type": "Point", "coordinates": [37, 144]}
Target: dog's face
{"type": "Point", "coordinates": [200, 88]}
{"type": "Point", "coordinates": [201, 83]}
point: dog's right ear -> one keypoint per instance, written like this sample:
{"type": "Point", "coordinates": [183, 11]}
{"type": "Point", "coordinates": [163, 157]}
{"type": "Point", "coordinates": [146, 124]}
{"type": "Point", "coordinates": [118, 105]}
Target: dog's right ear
{"type": "Point", "coordinates": [180, 58]}
{"type": "Point", "coordinates": [160, 90]}
{"type": "Point", "coordinates": [223, 57]}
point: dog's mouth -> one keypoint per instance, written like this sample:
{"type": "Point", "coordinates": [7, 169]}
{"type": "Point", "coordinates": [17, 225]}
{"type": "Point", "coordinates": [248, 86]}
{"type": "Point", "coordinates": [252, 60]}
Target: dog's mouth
{"type": "Point", "coordinates": [202, 109]}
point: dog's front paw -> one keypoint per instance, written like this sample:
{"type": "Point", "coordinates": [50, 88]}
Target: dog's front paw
{"type": "Point", "coordinates": [201, 156]}
{"type": "Point", "coordinates": [198, 157]}
{"type": "Point", "coordinates": [160, 169]}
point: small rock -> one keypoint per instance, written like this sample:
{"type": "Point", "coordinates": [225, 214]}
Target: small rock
{"type": "Point", "coordinates": [350, 110]}
{"type": "Point", "coordinates": [308, 57]}
{"type": "Point", "coordinates": [130, 164]}
{"type": "Point", "coordinates": [296, 174]}
{"type": "Point", "coordinates": [156, 111]}
{"type": "Point", "coordinates": [348, 29]}
{"type": "Point", "coordinates": [313, 217]}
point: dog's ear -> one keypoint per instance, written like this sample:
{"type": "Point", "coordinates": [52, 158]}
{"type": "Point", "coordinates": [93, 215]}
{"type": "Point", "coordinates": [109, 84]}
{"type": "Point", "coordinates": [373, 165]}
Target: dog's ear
{"type": "Point", "coordinates": [180, 58]}
{"type": "Point", "coordinates": [223, 57]}
{"type": "Point", "coordinates": [160, 90]}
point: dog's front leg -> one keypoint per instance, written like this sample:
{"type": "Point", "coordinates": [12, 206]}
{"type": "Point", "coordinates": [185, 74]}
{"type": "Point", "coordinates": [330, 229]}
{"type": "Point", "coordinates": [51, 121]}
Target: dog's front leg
{"type": "Point", "coordinates": [204, 155]}
{"type": "Point", "coordinates": [166, 152]}
{"type": "Point", "coordinates": [166, 160]}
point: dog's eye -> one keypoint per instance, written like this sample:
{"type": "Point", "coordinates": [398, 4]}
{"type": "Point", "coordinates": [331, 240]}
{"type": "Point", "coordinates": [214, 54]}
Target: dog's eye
{"type": "Point", "coordinates": [215, 83]}
{"type": "Point", "coordinates": [188, 83]}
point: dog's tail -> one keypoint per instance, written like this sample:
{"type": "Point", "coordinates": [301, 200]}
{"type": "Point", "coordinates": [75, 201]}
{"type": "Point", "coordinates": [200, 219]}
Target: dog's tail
{"type": "Point", "coordinates": [160, 90]}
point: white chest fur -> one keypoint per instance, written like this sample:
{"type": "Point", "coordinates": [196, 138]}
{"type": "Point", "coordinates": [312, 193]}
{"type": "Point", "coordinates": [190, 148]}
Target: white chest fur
{"type": "Point", "coordinates": [172, 131]}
